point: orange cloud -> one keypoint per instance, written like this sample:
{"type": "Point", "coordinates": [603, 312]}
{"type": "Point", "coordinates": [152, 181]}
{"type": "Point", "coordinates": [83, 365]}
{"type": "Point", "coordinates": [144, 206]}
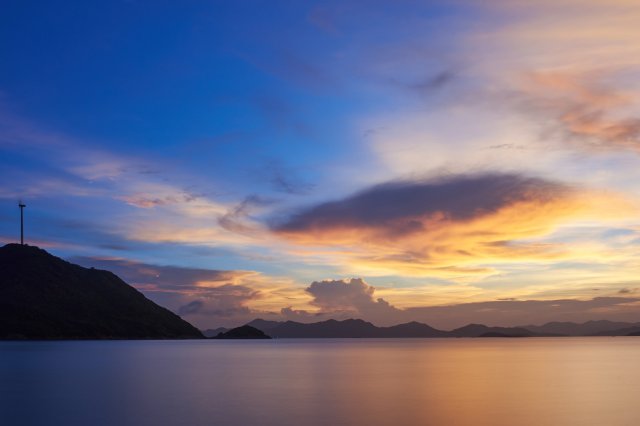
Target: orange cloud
{"type": "Point", "coordinates": [582, 110]}
{"type": "Point", "coordinates": [452, 227]}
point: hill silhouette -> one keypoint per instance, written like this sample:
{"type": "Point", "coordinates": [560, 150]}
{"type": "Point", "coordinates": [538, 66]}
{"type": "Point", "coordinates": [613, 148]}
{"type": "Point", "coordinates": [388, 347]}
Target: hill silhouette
{"type": "Point", "coordinates": [45, 297]}
{"type": "Point", "coordinates": [242, 332]}
{"type": "Point", "coordinates": [589, 328]}
{"type": "Point", "coordinates": [213, 332]}
{"type": "Point", "coordinates": [357, 328]}
{"type": "Point", "coordinates": [480, 330]}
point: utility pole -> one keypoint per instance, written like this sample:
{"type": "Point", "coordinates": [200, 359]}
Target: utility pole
{"type": "Point", "coordinates": [22, 206]}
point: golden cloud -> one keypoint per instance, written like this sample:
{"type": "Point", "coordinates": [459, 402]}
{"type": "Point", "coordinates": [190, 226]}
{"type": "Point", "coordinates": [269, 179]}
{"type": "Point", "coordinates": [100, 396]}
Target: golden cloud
{"type": "Point", "coordinates": [452, 227]}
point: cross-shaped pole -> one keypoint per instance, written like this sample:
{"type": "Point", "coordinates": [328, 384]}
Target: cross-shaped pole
{"type": "Point", "coordinates": [22, 206]}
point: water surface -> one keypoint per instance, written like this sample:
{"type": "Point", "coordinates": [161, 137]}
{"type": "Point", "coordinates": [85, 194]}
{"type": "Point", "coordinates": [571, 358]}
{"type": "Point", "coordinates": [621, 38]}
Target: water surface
{"type": "Point", "coordinates": [538, 381]}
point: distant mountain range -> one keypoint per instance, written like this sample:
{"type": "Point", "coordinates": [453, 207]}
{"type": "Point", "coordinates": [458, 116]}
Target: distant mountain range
{"type": "Point", "coordinates": [45, 297]}
{"type": "Point", "coordinates": [357, 328]}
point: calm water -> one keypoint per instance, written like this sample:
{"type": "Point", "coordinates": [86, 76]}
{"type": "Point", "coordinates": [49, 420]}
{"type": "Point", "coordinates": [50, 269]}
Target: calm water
{"type": "Point", "coordinates": [559, 381]}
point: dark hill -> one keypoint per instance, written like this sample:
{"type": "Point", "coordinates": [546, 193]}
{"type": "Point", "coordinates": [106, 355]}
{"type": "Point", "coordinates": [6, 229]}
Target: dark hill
{"type": "Point", "coordinates": [45, 297]}
{"type": "Point", "coordinates": [498, 334]}
{"type": "Point", "coordinates": [627, 331]}
{"type": "Point", "coordinates": [411, 329]}
{"type": "Point", "coordinates": [264, 325]}
{"type": "Point", "coordinates": [589, 328]}
{"type": "Point", "coordinates": [243, 332]}
{"type": "Point", "coordinates": [480, 330]}
{"type": "Point", "coordinates": [353, 328]}
{"type": "Point", "coordinates": [214, 332]}
{"type": "Point", "coordinates": [325, 329]}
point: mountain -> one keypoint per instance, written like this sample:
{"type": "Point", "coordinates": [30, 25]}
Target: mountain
{"type": "Point", "coordinates": [214, 332]}
{"type": "Point", "coordinates": [264, 325]}
{"type": "Point", "coordinates": [354, 328]}
{"type": "Point", "coordinates": [499, 334]}
{"type": "Point", "coordinates": [589, 328]}
{"type": "Point", "coordinates": [329, 328]}
{"type": "Point", "coordinates": [411, 329]}
{"type": "Point", "coordinates": [45, 297]}
{"type": "Point", "coordinates": [626, 331]}
{"type": "Point", "coordinates": [359, 328]}
{"type": "Point", "coordinates": [243, 332]}
{"type": "Point", "coordinates": [480, 330]}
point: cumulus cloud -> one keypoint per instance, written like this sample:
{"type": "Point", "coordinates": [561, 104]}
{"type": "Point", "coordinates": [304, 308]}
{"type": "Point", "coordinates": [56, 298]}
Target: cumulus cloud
{"type": "Point", "coordinates": [452, 225]}
{"type": "Point", "coordinates": [346, 295]}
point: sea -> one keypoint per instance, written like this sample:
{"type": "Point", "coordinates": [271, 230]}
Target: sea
{"type": "Point", "coordinates": [463, 381]}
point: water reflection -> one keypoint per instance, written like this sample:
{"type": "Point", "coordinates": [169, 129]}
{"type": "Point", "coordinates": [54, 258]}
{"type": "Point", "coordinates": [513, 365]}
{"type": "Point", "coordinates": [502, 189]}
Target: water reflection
{"type": "Point", "coordinates": [559, 381]}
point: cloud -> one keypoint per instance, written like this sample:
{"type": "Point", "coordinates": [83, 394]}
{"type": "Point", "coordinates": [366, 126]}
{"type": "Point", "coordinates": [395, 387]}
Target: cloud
{"type": "Point", "coordinates": [237, 219]}
{"type": "Point", "coordinates": [163, 278]}
{"type": "Point", "coordinates": [352, 295]}
{"type": "Point", "coordinates": [582, 110]}
{"type": "Point", "coordinates": [227, 301]}
{"type": "Point", "coordinates": [146, 200]}
{"type": "Point", "coordinates": [448, 226]}
{"type": "Point", "coordinates": [434, 82]}
{"type": "Point", "coordinates": [190, 308]}
{"type": "Point", "coordinates": [286, 179]}
{"type": "Point", "coordinates": [303, 315]}
{"type": "Point", "coordinates": [397, 207]}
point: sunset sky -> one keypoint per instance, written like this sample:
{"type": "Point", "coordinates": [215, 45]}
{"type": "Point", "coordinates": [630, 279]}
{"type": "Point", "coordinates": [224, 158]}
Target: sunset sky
{"type": "Point", "coordinates": [439, 161]}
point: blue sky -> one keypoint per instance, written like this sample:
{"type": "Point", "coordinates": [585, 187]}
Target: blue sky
{"type": "Point", "coordinates": [421, 153]}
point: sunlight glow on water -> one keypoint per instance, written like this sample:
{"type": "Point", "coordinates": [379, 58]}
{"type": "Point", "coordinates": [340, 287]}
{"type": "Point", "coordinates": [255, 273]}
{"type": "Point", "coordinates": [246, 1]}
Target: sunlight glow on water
{"type": "Point", "coordinates": [554, 381]}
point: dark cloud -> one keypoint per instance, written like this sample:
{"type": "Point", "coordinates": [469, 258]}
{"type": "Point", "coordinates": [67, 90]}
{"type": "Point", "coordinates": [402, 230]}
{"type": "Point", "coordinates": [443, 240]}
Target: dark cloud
{"type": "Point", "coordinates": [397, 207]}
{"type": "Point", "coordinates": [303, 315]}
{"type": "Point", "coordinates": [226, 301]}
{"type": "Point", "coordinates": [237, 218]}
{"type": "Point", "coordinates": [161, 278]}
{"type": "Point", "coordinates": [190, 308]}
{"type": "Point", "coordinates": [287, 180]}
{"type": "Point", "coordinates": [434, 82]}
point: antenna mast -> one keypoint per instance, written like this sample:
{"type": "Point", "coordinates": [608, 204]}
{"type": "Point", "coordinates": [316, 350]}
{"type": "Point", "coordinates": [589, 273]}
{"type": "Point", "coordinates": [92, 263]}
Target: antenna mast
{"type": "Point", "coordinates": [22, 206]}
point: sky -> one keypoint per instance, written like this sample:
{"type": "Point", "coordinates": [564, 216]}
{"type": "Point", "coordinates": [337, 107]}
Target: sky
{"type": "Point", "coordinates": [437, 161]}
